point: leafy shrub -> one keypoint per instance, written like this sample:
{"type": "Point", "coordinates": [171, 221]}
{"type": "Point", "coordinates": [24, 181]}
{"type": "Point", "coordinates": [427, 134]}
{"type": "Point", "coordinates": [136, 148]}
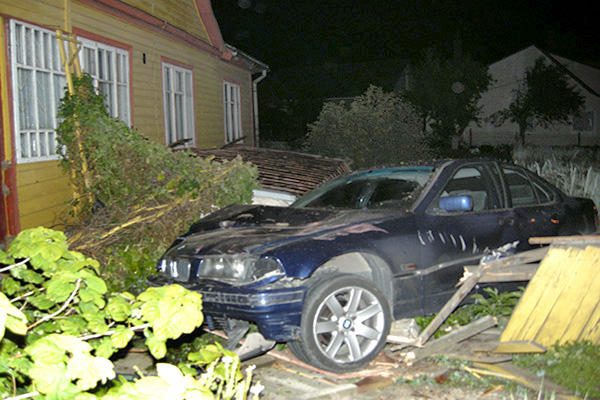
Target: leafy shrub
{"type": "Point", "coordinates": [59, 326]}
{"type": "Point", "coordinates": [145, 194]}
{"type": "Point", "coordinates": [373, 129]}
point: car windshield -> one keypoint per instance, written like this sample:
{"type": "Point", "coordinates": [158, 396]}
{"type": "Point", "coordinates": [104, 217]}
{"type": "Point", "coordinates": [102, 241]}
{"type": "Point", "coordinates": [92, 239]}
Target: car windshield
{"type": "Point", "coordinates": [374, 189]}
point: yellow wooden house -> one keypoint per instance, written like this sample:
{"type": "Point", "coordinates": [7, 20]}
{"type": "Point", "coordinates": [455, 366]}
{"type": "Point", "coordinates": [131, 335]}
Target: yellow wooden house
{"type": "Point", "coordinates": [162, 66]}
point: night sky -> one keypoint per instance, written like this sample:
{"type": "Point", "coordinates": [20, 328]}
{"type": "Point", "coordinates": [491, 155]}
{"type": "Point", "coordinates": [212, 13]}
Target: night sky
{"type": "Point", "coordinates": [286, 33]}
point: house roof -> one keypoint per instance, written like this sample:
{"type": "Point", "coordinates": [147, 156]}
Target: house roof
{"type": "Point", "coordinates": [569, 67]}
{"type": "Point", "coordinates": [288, 171]}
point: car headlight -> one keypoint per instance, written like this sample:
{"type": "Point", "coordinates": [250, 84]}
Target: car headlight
{"type": "Point", "coordinates": [238, 268]}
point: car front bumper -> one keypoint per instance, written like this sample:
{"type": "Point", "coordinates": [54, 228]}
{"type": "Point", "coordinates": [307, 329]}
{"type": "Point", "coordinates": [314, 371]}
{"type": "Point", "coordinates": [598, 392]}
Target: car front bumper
{"type": "Point", "coordinates": [277, 312]}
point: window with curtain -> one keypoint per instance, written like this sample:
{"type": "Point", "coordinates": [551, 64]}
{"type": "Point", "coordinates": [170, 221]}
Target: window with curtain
{"type": "Point", "coordinates": [178, 104]}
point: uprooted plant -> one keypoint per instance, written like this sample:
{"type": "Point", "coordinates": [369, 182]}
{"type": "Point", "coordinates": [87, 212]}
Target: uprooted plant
{"type": "Point", "coordinates": [144, 194]}
{"type": "Point", "coordinates": [59, 327]}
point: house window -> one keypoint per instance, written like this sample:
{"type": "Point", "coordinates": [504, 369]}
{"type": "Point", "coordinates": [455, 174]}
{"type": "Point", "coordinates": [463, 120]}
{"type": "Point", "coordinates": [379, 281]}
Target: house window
{"type": "Point", "coordinates": [38, 85]}
{"type": "Point", "coordinates": [231, 105]}
{"type": "Point", "coordinates": [584, 122]}
{"type": "Point", "coordinates": [178, 104]}
{"type": "Point", "coordinates": [109, 66]}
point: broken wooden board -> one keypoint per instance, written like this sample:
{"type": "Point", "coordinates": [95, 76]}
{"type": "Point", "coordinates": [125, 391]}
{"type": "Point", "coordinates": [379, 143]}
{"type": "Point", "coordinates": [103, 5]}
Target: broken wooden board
{"type": "Point", "coordinates": [506, 273]}
{"type": "Point", "coordinates": [578, 240]}
{"type": "Point", "coordinates": [561, 302]}
{"type": "Point", "coordinates": [441, 345]}
{"type": "Point", "coordinates": [520, 346]}
{"type": "Point", "coordinates": [523, 377]}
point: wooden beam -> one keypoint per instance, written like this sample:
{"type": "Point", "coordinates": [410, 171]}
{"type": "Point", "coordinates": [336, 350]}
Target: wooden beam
{"type": "Point", "coordinates": [467, 285]}
{"type": "Point", "coordinates": [571, 240]}
{"type": "Point", "coordinates": [458, 335]}
{"type": "Point", "coordinates": [515, 273]}
{"type": "Point", "coordinates": [520, 346]}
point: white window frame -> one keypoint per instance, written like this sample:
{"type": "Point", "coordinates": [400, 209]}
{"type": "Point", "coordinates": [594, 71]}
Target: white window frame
{"type": "Point", "coordinates": [232, 110]}
{"type": "Point", "coordinates": [36, 142]}
{"type": "Point", "coordinates": [171, 109]}
{"type": "Point", "coordinates": [115, 75]}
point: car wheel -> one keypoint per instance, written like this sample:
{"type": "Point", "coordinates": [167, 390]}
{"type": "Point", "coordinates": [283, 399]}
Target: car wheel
{"type": "Point", "coordinates": [345, 323]}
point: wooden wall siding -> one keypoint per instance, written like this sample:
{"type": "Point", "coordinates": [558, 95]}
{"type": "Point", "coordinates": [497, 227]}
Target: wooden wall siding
{"type": "Point", "coordinates": [44, 193]}
{"type": "Point", "coordinates": [179, 13]}
{"type": "Point", "coordinates": [42, 189]}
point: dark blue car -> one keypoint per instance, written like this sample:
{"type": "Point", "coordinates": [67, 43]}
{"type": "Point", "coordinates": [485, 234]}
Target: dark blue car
{"type": "Point", "coordinates": [329, 274]}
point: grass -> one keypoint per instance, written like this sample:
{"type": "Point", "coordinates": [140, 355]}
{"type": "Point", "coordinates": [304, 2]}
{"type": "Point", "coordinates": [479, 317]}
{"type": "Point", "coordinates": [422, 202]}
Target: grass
{"type": "Point", "coordinates": [575, 366]}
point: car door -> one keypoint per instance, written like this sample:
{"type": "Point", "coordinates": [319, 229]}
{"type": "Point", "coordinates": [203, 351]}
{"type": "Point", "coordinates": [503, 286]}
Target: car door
{"type": "Point", "coordinates": [450, 240]}
{"type": "Point", "coordinates": [536, 206]}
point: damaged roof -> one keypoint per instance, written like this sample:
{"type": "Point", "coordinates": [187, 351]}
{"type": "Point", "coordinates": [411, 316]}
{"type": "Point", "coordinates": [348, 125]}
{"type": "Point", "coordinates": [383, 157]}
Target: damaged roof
{"type": "Point", "coordinates": [288, 171]}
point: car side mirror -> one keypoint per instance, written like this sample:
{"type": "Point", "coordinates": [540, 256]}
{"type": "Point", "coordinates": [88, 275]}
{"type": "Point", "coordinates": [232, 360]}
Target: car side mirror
{"type": "Point", "coordinates": [462, 202]}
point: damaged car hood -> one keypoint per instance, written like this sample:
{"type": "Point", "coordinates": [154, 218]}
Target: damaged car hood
{"type": "Point", "coordinates": [258, 229]}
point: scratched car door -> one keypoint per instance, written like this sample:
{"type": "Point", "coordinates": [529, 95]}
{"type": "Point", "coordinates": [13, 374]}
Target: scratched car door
{"type": "Point", "coordinates": [450, 240]}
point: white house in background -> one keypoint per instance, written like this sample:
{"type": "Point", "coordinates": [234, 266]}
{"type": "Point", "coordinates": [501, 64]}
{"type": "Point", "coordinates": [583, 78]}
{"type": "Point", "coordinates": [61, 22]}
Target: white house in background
{"type": "Point", "coordinates": [508, 74]}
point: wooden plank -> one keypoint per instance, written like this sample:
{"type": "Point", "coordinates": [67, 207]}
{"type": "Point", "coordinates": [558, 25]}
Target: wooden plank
{"type": "Point", "coordinates": [525, 378]}
{"type": "Point", "coordinates": [467, 285]}
{"type": "Point", "coordinates": [519, 346]}
{"type": "Point", "coordinates": [458, 335]}
{"type": "Point", "coordinates": [571, 311]}
{"type": "Point", "coordinates": [574, 240]}
{"type": "Point", "coordinates": [562, 301]}
{"type": "Point", "coordinates": [513, 273]}
{"type": "Point", "coordinates": [522, 320]}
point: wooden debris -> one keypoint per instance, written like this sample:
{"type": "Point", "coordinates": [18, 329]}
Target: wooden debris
{"type": "Point", "coordinates": [454, 301]}
{"type": "Point", "coordinates": [562, 301]}
{"type": "Point", "coordinates": [514, 273]}
{"type": "Point", "coordinates": [441, 345]}
{"type": "Point", "coordinates": [513, 373]}
{"type": "Point", "coordinates": [580, 240]}
{"type": "Point", "coordinates": [520, 346]}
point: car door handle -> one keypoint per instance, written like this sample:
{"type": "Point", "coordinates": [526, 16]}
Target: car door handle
{"type": "Point", "coordinates": [509, 221]}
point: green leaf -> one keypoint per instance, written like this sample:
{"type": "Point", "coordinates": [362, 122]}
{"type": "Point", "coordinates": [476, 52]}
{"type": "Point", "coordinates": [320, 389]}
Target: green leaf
{"type": "Point", "coordinates": [31, 276]}
{"type": "Point", "coordinates": [157, 346]}
{"type": "Point", "coordinates": [49, 378]}
{"type": "Point", "coordinates": [88, 370]}
{"type": "Point", "coordinates": [205, 355]}
{"type": "Point", "coordinates": [45, 351]}
{"type": "Point", "coordinates": [10, 286]}
{"type": "Point", "coordinates": [121, 337]}
{"type": "Point", "coordinates": [118, 308]}
{"type": "Point", "coordinates": [104, 347]}
{"type": "Point", "coordinates": [93, 282]}
{"type": "Point", "coordinates": [74, 325]}
{"type": "Point", "coordinates": [88, 308]}
{"type": "Point", "coordinates": [59, 289]}
{"type": "Point", "coordinates": [96, 323]}
{"type": "Point", "coordinates": [42, 301]}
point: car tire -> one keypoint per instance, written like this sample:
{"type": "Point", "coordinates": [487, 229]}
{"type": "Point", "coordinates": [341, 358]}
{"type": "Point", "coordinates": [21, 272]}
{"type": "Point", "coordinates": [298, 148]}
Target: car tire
{"type": "Point", "coordinates": [345, 323]}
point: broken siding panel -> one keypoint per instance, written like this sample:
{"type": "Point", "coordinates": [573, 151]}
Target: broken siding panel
{"type": "Point", "coordinates": [179, 13]}
{"type": "Point", "coordinates": [562, 301]}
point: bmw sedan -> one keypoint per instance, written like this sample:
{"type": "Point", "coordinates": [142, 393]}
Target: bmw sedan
{"type": "Point", "coordinates": [328, 274]}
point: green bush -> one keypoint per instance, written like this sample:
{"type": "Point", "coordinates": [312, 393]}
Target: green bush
{"type": "Point", "coordinates": [59, 327]}
{"type": "Point", "coordinates": [376, 128]}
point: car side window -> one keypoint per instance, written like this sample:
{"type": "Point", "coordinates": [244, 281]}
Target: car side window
{"type": "Point", "coordinates": [467, 181]}
{"type": "Point", "coordinates": [390, 193]}
{"type": "Point", "coordinates": [521, 189]}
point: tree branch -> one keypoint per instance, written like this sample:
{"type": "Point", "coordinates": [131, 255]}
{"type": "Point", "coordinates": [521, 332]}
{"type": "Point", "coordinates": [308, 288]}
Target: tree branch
{"type": "Point", "coordinates": [22, 262]}
{"type": "Point", "coordinates": [61, 309]}
{"type": "Point", "coordinates": [108, 333]}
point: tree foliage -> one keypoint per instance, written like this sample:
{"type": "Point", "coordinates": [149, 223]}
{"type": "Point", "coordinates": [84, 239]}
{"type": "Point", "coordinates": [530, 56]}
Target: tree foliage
{"type": "Point", "coordinates": [373, 129]}
{"type": "Point", "coordinates": [59, 327]}
{"type": "Point", "coordinates": [544, 97]}
{"type": "Point", "coordinates": [445, 93]}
